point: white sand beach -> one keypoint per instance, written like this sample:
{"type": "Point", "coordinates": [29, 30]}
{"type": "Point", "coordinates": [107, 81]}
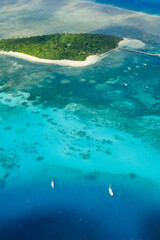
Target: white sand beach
{"type": "Point", "coordinates": [129, 43]}
{"type": "Point", "coordinates": [89, 61]}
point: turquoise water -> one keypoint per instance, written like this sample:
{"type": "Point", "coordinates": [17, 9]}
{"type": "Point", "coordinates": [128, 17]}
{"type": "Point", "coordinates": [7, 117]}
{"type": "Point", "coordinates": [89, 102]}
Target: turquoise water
{"type": "Point", "coordinates": [86, 129]}
{"type": "Point", "coordinates": [85, 133]}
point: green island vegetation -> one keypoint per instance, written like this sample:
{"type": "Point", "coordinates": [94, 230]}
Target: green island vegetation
{"type": "Point", "coordinates": [62, 46]}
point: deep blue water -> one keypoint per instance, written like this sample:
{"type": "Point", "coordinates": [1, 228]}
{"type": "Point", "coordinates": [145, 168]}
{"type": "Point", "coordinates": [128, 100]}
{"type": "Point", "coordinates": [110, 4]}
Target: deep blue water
{"type": "Point", "coordinates": [148, 6]}
{"type": "Point", "coordinates": [81, 211]}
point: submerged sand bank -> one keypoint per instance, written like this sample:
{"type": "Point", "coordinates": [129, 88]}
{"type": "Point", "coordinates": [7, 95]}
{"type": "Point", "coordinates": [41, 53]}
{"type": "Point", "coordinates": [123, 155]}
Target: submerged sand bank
{"type": "Point", "coordinates": [131, 43]}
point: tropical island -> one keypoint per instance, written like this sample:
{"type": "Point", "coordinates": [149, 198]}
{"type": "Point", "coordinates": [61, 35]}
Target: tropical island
{"type": "Point", "coordinates": [68, 46]}
{"type": "Point", "coordinates": [67, 49]}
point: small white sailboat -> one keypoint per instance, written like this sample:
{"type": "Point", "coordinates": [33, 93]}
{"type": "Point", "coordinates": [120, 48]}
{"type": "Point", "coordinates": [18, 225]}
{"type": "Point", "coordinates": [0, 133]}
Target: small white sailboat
{"type": "Point", "coordinates": [52, 184]}
{"type": "Point", "coordinates": [110, 191]}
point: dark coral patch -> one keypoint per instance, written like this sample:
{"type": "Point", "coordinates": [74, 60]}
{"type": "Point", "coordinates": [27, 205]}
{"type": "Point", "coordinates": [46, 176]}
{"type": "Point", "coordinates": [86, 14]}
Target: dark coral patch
{"type": "Point", "coordinates": [92, 176]}
{"type": "Point", "coordinates": [108, 152]}
{"type": "Point", "coordinates": [85, 155]}
{"type": "Point", "coordinates": [40, 158]}
{"type": "Point", "coordinates": [132, 175]}
{"type": "Point", "coordinates": [8, 128]}
{"type": "Point", "coordinates": [81, 133]}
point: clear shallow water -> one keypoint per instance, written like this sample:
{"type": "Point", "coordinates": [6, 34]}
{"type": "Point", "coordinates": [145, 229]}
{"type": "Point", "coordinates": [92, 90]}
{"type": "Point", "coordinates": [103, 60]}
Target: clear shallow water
{"type": "Point", "coordinates": [85, 129]}
{"type": "Point", "coordinates": [148, 6]}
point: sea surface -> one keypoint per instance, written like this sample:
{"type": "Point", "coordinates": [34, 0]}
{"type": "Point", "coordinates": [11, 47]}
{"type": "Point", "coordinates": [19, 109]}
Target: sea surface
{"type": "Point", "coordinates": [147, 6]}
{"type": "Point", "coordinates": [85, 129]}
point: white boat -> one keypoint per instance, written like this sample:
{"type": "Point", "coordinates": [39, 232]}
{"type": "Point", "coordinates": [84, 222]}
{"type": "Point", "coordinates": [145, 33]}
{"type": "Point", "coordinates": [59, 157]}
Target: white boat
{"type": "Point", "coordinates": [52, 184]}
{"type": "Point", "coordinates": [110, 191]}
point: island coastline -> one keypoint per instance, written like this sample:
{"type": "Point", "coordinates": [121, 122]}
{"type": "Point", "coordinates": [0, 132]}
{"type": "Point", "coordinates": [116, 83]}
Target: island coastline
{"type": "Point", "coordinates": [70, 63]}
{"type": "Point", "coordinates": [90, 60]}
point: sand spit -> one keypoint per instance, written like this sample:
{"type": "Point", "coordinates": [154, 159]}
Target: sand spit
{"type": "Point", "coordinates": [131, 43]}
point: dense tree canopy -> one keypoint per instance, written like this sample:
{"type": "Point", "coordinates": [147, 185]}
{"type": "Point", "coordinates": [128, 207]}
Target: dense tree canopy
{"type": "Point", "coordinates": [61, 46]}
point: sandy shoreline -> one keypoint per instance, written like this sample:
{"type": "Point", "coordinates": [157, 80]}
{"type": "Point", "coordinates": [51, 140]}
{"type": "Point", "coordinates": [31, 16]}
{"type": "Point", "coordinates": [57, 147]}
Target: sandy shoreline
{"type": "Point", "coordinates": [89, 60]}
{"type": "Point", "coordinates": [70, 63]}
